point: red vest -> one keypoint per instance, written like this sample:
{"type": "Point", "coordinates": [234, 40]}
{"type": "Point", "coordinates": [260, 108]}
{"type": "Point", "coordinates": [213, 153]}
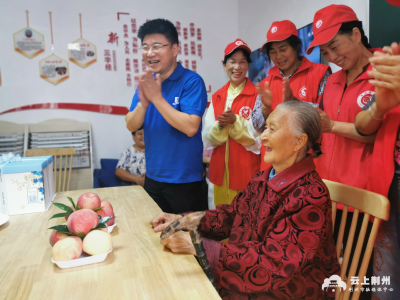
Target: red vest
{"type": "Point", "coordinates": [242, 164]}
{"type": "Point", "coordinates": [381, 168]}
{"type": "Point", "coordinates": [345, 160]}
{"type": "Point", "coordinates": [304, 84]}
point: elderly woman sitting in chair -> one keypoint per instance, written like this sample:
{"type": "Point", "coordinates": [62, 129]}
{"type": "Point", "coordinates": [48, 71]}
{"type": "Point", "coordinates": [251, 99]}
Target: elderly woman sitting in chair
{"type": "Point", "coordinates": [279, 228]}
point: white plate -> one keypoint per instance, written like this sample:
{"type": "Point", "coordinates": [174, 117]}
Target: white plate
{"type": "Point", "coordinates": [4, 218]}
{"type": "Point", "coordinates": [83, 260]}
{"type": "Point", "coordinates": [110, 228]}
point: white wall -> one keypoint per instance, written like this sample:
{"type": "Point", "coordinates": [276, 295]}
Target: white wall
{"type": "Point", "coordinates": [21, 84]}
{"type": "Point", "coordinates": [256, 16]}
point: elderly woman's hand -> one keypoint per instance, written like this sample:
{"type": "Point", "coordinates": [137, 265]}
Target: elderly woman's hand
{"type": "Point", "coordinates": [179, 242]}
{"type": "Point", "coordinates": [163, 220]}
{"type": "Point", "coordinates": [327, 123]}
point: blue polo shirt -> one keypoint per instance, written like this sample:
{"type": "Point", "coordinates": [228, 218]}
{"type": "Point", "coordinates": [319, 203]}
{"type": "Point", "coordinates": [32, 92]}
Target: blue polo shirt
{"type": "Point", "coordinates": [172, 156]}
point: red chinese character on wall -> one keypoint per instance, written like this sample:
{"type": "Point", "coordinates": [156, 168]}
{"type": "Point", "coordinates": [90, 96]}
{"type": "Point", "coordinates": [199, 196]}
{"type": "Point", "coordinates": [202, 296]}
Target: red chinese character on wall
{"type": "Point", "coordinates": [178, 27]}
{"type": "Point", "coordinates": [194, 66]}
{"type": "Point", "coordinates": [126, 47]}
{"type": "Point", "coordinates": [107, 59]}
{"type": "Point", "coordinates": [127, 64]}
{"type": "Point", "coordinates": [136, 81]}
{"type": "Point", "coordinates": [125, 31]}
{"type": "Point", "coordinates": [192, 48]}
{"type": "Point", "coordinates": [115, 60]}
{"type": "Point", "coordinates": [136, 65]}
{"type": "Point", "coordinates": [134, 45]}
{"type": "Point", "coordinates": [179, 48]}
{"type": "Point", "coordinates": [192, 31]}
{"type": "Point", "coordinates": [113, 37]}
{"type": "Point", "coordinates": [186, 49]}
{"type": "Point", "coordinates": [185, 33]}
{"type": "Point", "coordinates": [198, 34]}
{"type": "Point", "coordinates": [186, 63]}
{"type": "Point", "coordinates": [133, 25]}
{"type": "Point", "coordinates": [143, 66]}
{"type": "Point", "coordinates": [128, 80]}
{"type": "Point", "coordinates": [199, 51]}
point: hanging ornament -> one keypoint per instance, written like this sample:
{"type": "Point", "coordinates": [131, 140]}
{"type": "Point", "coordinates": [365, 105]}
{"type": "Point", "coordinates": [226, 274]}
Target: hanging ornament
{"type": "Point", "coordinates": [82, 52]}
{"type": "Point", "coordinates": [28, 41]}
{"type": "Point", "coordinates": [53, 68]}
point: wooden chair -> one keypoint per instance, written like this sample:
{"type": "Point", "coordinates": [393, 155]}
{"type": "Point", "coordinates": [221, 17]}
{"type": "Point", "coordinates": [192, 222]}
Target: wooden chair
{"type": "Point", "coordinates": [57, 173]}
{"type": "Point", "coordinates": [373, 205]}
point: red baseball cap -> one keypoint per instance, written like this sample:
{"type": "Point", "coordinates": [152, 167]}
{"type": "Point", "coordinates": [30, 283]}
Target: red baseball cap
{"type": "Point", "coordinates": [236, 44]}
{"type": "Point", "coordinates": [327, 22]}
{"type": "Point", "coordinates": [280, 31]}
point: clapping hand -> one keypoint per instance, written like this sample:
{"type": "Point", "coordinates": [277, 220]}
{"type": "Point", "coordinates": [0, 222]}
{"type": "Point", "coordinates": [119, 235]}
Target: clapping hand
{"type": "Point", "coordinates": [386, 73]}
{"type": "Point", "coordinates": [265, 94]}
{"type": "Point", "coordinates": [149, 88]}
{"type": "Point", "coordinates": [228, 117]}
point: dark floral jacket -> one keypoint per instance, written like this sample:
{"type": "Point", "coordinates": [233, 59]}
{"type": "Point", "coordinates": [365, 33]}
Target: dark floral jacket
{"type": "Point", "coordinates": [280, 237]}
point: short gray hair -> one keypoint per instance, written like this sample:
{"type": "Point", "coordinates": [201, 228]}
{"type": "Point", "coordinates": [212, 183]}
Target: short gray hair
{"type": "Point", "coordinates": [305, 120]}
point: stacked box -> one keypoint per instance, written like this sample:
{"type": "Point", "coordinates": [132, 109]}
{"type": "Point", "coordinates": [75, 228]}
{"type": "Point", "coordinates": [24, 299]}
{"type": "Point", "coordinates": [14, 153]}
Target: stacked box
{"type": "Point", "coordinates": [26, 186]}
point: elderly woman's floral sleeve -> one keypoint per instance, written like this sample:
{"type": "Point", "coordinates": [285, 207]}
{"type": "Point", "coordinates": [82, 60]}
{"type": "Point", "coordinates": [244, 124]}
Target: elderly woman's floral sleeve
{"type": "Point", "coordinates": [294, 248]}
{"type": "Point", "coordinates": [217, 223]}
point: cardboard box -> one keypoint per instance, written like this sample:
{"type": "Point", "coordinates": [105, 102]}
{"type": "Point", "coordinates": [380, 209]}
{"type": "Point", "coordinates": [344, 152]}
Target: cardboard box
{"type": "Point", "coordinates": [26, 186]}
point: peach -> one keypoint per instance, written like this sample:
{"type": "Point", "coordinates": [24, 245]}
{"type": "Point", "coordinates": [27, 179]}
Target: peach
{"type": "Point", "coordinates": [89, 200]}
{"type": "Point", "coordinates": [67, 249]}
{"type": "Point", "coordinates": [107, 212]}
{"type": "Point", "coordinates": [105, 203]}
{"type": "Point", "coordinates": [82, 220]}
{"type": "Point", "coordinates": [97, 242]}
{"type": "Point", "coordinates": [56, 236]}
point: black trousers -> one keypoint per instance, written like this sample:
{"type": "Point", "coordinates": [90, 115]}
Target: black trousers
{"type": "Point", "coordinates": [175, 198]}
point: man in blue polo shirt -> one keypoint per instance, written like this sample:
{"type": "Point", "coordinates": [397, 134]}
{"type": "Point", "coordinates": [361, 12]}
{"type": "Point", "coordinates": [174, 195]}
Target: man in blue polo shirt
{"type": "Point", "coordinates": [170, 106]}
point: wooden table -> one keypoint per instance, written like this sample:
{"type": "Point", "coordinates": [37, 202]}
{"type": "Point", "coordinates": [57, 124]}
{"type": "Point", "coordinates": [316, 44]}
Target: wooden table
{"type": "Point", "coordinates": [138, 268]}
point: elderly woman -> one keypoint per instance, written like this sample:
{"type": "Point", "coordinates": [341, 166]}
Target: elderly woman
{"type": "Point", "coordinates": [232, 124]}
{"type": "Point", "coordinates": [279, 228]}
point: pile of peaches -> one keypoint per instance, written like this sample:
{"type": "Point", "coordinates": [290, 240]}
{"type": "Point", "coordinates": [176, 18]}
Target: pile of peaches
{"type": "Point", "coordinates": [86, 228]}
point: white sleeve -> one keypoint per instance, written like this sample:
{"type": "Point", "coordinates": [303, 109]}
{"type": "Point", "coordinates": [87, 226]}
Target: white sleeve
{"type": "Point", "coordinates": [255, 148]}
{"type": "Point", "coordinates": [209, 121]}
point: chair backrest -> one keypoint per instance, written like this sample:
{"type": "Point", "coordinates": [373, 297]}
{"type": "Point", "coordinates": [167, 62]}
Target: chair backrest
{"type": "Point", "coordinates": [62, 154]}
{"type": "Point", "coordinates": [373, 205]}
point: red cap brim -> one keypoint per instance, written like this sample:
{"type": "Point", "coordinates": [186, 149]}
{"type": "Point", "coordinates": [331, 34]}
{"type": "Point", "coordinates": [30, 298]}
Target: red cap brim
{"type": "Point", "coordinates": [244, 47]}
{"type": "Point", "coordinates": [277, 38]}
{"type": "Point", "coordinates": [323, 37]}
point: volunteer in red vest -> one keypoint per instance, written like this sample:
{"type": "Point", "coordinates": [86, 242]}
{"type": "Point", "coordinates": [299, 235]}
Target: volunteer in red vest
{"type": "Point", "coordinates": [381, 116]}
{"type": "Point", "coordinates": [232, 127]}
{"type": "Point", "coordinates": [339, 34]}
{"type": "Point", "coordinates": [342, 41]}
{"type": "Point", "coordinates": [293, 76]}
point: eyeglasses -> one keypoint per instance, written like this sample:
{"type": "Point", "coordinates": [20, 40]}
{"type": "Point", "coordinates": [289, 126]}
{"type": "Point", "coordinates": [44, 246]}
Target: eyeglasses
{"type": "Point", "coordinates": [154, 48]}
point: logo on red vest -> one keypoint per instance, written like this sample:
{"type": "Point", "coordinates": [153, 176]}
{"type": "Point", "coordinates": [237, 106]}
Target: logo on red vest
{"type": "Point", "coordinates": [274, 29]}
{"type": "Point", "coordinates": [245, 112]}
{"type": "Point", "coordinates": [364, 98]}
{"type": "Point", "coordinates": [303, 92]}
{"type": "Point", "coordinates": [319, 24]}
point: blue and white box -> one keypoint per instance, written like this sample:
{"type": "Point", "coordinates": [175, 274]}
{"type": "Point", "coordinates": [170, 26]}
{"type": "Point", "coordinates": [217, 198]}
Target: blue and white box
{"type": "Point", "coordinates": [26, 186]}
